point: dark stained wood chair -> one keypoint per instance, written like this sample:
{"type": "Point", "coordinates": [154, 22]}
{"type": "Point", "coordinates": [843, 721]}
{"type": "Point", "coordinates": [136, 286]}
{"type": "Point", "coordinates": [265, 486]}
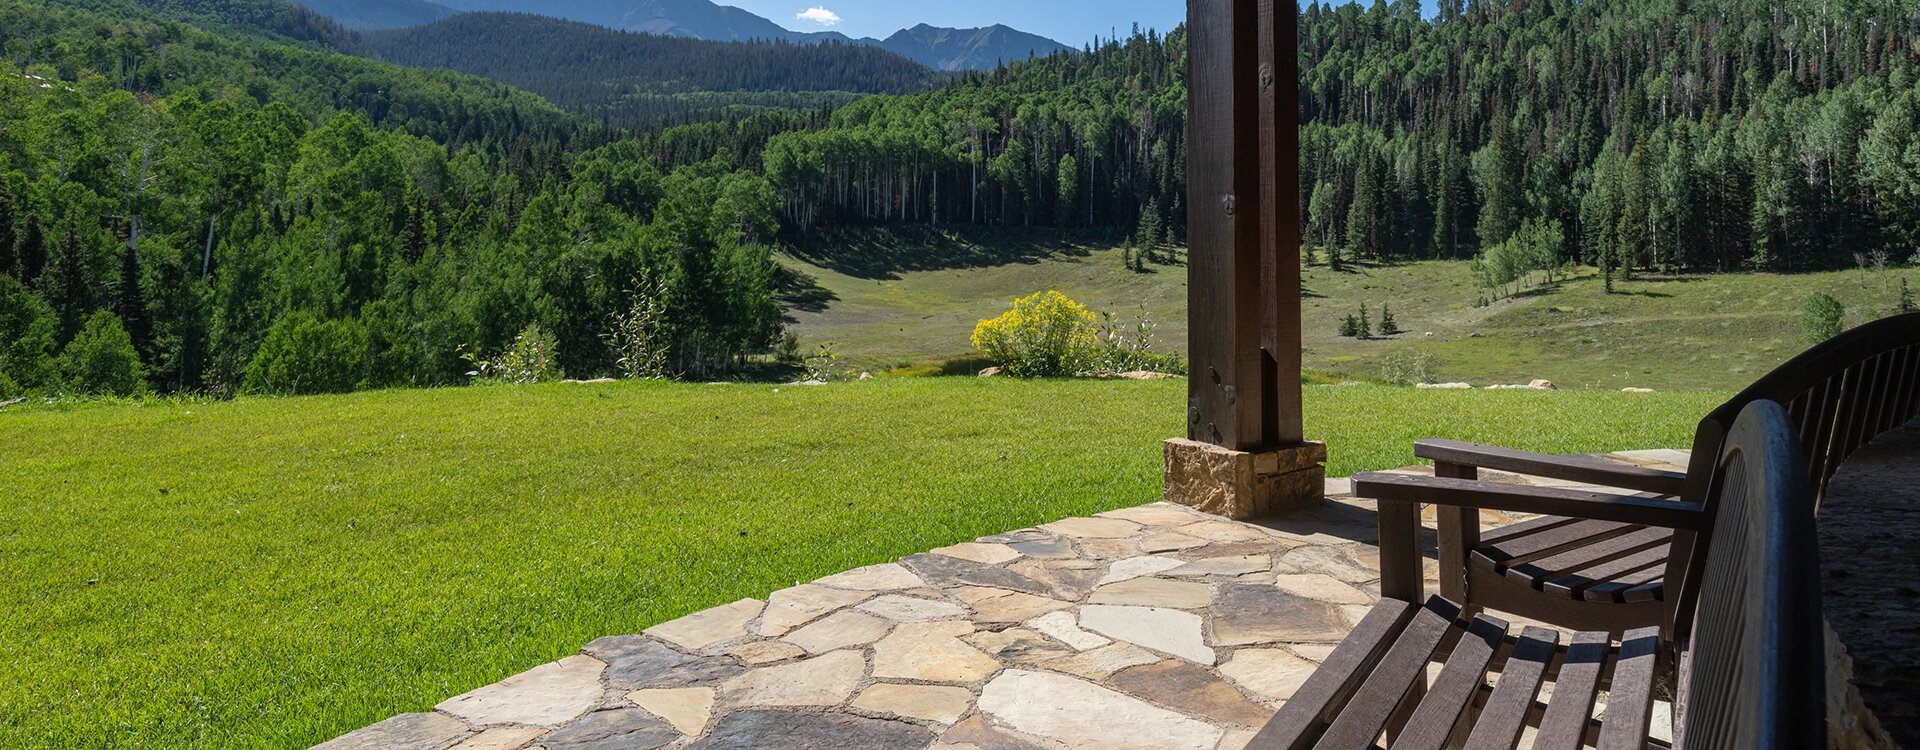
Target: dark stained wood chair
{"type": "Point", "coordinates": [1751, 653]}
{"type": "Point", "coordinates": [1615, 573]}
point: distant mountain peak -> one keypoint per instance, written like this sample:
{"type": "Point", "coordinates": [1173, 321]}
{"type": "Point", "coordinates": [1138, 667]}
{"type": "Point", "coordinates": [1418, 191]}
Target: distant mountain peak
{"type": "Point", "coordinates": [933, 46]}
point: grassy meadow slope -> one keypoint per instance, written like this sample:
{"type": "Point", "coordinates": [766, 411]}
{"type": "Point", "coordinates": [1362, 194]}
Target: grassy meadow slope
{"type": "Point", "coordinates": [1667, 333]}
{"type": "Point", "coordinates": [267, 573]}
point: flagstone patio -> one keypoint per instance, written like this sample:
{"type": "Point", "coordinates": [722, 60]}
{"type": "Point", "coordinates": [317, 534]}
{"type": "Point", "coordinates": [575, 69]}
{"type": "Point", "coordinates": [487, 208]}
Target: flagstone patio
{"type": "Point", "coordinates": [1152, 627]}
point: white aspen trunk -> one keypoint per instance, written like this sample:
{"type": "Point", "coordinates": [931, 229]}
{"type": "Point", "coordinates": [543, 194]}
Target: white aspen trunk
{"type": "Point", "coordinates": [206, 257]}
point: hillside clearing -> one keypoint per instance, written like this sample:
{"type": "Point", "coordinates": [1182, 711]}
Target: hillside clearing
{"type": "Point", "coordinates": [270, 573]}
{"type": "Point", "coordinates": [1667, 333]}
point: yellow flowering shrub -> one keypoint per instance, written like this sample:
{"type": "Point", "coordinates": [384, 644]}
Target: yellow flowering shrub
{"type": "Point", "coordinates": [1044, 335]}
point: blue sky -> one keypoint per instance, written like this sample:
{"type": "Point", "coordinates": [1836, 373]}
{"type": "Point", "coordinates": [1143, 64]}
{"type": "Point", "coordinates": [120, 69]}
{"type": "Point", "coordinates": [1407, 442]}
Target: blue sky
{"type": "Point", "coordinates": [1073, 22]}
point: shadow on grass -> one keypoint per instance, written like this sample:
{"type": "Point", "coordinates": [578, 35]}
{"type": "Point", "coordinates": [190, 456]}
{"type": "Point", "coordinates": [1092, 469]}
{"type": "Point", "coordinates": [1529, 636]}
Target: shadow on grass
{"type": "Point", "coordinates": [884, 253]}
{"type": "Point", "coordinates": [798, 290]}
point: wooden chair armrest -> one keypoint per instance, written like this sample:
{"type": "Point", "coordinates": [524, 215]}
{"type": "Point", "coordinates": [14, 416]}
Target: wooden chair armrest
{"type": "Point", "coordinates": [1468, 493]}
{"type": "Point", "coordinates": [1585, 469]}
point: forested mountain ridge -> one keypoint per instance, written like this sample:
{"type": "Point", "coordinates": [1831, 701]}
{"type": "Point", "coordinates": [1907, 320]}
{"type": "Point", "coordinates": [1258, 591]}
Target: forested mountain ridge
{"type": "Point", "coordinates": [634, 78]}
{"type": "Point", "coordinates": [277, 19]}
{"type": "Point", "coordinates": [163, 58]}
{"type": "Point", "coordinates": [364, 15]}
{"type": "Point", "coordinates": [223, 215]}
{"type": "Point", "coordinates": [941, 49]}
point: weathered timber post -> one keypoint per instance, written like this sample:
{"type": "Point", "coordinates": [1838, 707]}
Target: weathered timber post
{"type": "Point", "coordinates": [1245, 454]}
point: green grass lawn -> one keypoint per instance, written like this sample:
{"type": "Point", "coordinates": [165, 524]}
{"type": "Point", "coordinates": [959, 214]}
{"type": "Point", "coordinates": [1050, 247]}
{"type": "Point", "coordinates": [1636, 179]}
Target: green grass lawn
{"type": "Point", "coordinates": [270, 573]}
{"type": "Point", "coordinates": [1693, 332]}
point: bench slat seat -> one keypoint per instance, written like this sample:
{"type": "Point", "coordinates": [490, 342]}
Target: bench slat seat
{"type": "Point", "coordinates": [1752, 676]}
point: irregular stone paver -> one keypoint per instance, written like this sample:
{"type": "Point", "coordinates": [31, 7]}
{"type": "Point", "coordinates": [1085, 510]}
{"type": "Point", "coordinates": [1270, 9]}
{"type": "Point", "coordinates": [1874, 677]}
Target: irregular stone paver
{"type": "Point", "coordinates": [1094, 632]}
{"type": "Point", "coordinates": [1322, 587]}
{"type": "Point", "coordinates": [766, 652]}
{"type": "Point", "coordinates": [931, 702]}
{"type": "Point", "coordinates": [546, 696]}
{"type": "Point", "coordinates": [1134, 567]}
{"type": "Point", "coordinates": [1065, 627]}
{"type": "Point", "coordinates": [705, 628]}
{"type": "Point", "coordinates": [1251, 613]}
{"type": "Point", "coordinates": [913, 609]}
{"type": "Point", "coordinates": [687, 709]}
{"type": "Point", "coordinates": [953, 571]}
{"type": "Point", "coordinates": [1017, 645]}
{"type": "Point", "coordinates": [616, 729]}
{"type": "Point", "coordinates": [1110, 549]}
{"type": "Point", "coordinates": [995, 605]}
{"type": "Point", "coordinates": [974, 733]}
{"type": "Point", "coordinates": [1046, 549]}
{"type": "Point", "coordinates": [1169, 631]}
{"type": "Point", "coordinates": [637, 661]}
{"type": "Point", "coordinates": [1155, 592]}
{"type": "Point", "coordinates": [840, 630]}
{"type": "Point", "coordinates": [1156, 514]}
{"type": "Point", "coordinates": [821, 681]}
{"type": "Point", "coordinates": [1268, 672]}
{"type": "Point", "coordinates": [1170, 541]}
{"type": "Point", "coordinates": [1081, 714]}
{"type": "Point", "coordinates": [882, 577]}
{"type": "Point", "coordinates": [403, 732]}
{"type": "Point", "coordinates": [1235, 565]}
{"type": "Point", "coordinates": [1093, 528]}
{"type": "Point", "coordinates": [988, 554]}
{"type": "Point", "coordinates": [501, 738]}
{"type": "Point", "coordinates": [790, 608]}
{"type": "Point", "coordinates": [1102, 662]}
{"type": "Point", "coordinates": [1193, 689]}
{"type": "Point", "coordinates": [1338, 562]}
{"type": "Point", "coordinates": [1067, 580]}
{"type": "Point", "coordinates": [1218, 530]}
{"type": "Point", "coordinates": [931, 651]}
{"type": "Point", "coordinates": [756, 730]}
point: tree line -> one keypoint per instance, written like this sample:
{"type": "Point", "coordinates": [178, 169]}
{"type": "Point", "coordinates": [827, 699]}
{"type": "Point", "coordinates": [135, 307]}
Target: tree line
{"type": "Point", "coordinates": [1660, 135]}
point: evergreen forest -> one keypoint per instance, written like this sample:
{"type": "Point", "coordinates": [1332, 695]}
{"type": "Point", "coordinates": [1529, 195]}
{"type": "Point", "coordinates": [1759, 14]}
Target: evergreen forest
{"type": "Point", "coordinates": [259, 203]}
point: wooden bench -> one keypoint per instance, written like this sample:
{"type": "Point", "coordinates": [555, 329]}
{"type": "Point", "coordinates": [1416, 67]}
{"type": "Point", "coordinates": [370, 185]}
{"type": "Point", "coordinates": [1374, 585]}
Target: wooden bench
{"type": "Point", "coordinates": [1615, 572]}
{"type": "Point", "coordinates": [1750, 666]}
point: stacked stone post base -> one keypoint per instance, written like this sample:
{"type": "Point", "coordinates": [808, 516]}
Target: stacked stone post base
{"type": "Point", "coordinates": [1243, 485]}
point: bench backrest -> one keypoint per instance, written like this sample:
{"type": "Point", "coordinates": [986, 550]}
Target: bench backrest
{"type": "Point", "coordinates": [1753, 662]}
{"type": "Point", "coordinates": [1838, 395]}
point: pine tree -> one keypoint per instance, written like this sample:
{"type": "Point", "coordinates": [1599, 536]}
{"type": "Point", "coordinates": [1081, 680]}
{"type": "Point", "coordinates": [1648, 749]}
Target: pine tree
{"type": "Point", "coordinates": [32, 253]}
{"type": "Point", "coordinates": [1388, 326]}
{"type": "Point", "coordinates": [1366, 329]}
{"type": "Point", "coordinates": [67, 283]}
{"type": "Point", "coordinates": [413, 241]}
{"type": "Point", "coordinates": [9, 262]}
{"type": "Point", "coordinates": [1906, 297]}
{"type": "Point", "coordinates": [1334, 259]}
{"type": "Point", "coordinates": [1350, 327]}
{"type": "Point", "coordinates": [1502, 180]}
{"type": "Point", "coordinates": [132, 303]}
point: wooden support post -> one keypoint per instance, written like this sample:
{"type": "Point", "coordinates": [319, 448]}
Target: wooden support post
{"type": "Point", "coordinates": [1245, 454]}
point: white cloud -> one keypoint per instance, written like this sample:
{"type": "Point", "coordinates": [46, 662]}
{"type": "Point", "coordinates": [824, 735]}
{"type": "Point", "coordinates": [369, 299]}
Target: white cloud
{"type": "Point", "coordinates": [820, 16]}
